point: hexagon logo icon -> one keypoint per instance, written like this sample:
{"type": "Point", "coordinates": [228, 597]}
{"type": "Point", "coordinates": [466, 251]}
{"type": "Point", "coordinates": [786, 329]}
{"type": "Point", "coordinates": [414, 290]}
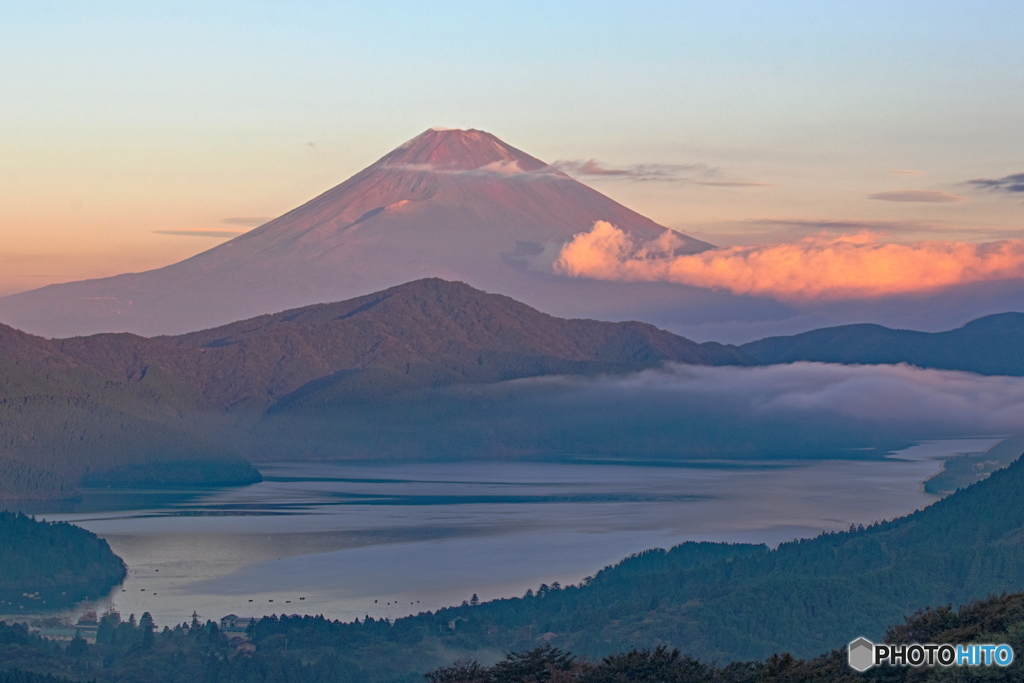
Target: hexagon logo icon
{"type": "Point", "coordinates": [862, 654]}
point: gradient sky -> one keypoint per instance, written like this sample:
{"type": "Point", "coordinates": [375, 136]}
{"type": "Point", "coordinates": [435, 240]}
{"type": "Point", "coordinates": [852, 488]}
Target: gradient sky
{"type": "Point", "coordinates": [133, 136]}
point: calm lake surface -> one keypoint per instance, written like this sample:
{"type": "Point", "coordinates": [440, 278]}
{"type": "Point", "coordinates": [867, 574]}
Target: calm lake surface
{"type": "Point", "coordinates": [345, 540]}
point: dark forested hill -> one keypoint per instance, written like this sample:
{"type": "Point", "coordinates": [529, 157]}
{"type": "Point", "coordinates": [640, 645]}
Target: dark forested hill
{"type": "Point", "coordinates": [993, 345]}
{"type": "Point", "coordinates": [200, 653]}
{"type": "Point", "coordinates": [52, 563]}
{"type": "Point", "coordinates": [118, 408]}
{"type": "Point", "coordinates": [418, 370]}
{"type": "Point", "coordinates": [994, 620]}
{"type": "Point", "coordinates": [429, 332]}
{"type": "Point", "coordinates": [62, 420]}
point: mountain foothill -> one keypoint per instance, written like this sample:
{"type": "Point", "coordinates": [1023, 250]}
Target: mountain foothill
{"type": "Point", "coordinates": [51, 565]}
{"type": "Point", "coordinates": [429, 369]}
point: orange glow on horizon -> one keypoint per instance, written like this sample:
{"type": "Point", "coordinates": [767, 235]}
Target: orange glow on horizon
{"type": "Point", "coordinates": [861, 265]}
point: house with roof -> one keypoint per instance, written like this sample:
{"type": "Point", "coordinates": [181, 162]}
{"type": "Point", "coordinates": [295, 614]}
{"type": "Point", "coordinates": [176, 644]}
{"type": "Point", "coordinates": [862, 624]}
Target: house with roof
{"type": "Point", "coordinates": [232, 623]}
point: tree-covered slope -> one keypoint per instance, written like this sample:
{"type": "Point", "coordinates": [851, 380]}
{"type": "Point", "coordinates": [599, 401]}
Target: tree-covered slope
{"type": "Point", "coordinates": [805, 596]}
{"type": "Point", "coordinates": [119, 408]}
{"type": "Point", "coordinates": [994, 620]}
{"type": "Point", "coordinates": [36, 556]}
{"type": "Point", "coordinates": [428, 369]}
{"type": "Point", "coordinates": [732, 602]}
{"type": "Point", "coordinates": [134, 652]}
{"type": "Point", "coordinates": [993, 345]}
{"type": "Point", "coordinates": [61, 421]}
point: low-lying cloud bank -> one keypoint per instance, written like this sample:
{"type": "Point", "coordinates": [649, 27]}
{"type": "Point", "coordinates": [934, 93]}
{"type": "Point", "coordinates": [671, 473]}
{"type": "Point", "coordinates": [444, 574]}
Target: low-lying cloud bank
{"type": "Point", "coordinates": [801, 410]}
{"type": "Point", "coordinates": [825, 266]}
{"type": "Point", "coordinates": [680, 412]}
{"type": "Point", "coordinates": [938, 402]}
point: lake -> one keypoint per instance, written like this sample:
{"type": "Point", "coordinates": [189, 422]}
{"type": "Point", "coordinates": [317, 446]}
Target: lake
{"type": "Point", "coordinates": [345, 540]}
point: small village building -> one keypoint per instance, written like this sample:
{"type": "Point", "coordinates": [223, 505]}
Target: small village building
{"type": "Point", "coordinates": [232, 623]}
{"type": "Point", "coordinates": [87, 626]}
{"type": "Point", "coordinates": [58, 633]}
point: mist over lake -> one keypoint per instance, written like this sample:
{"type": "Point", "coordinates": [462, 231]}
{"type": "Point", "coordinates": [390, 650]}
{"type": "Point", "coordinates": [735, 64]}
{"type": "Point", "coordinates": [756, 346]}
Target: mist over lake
{"type": "Point", "coordinates": [347, 540]}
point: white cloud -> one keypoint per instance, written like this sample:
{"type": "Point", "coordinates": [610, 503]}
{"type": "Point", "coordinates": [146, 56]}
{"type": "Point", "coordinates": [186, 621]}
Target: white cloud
{"type": "Point", "coordinates": [938, 402]}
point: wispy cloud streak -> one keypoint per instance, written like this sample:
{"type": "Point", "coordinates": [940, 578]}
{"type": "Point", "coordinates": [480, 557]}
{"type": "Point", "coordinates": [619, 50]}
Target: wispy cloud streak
{"type": "Point", "coordinates": [844, 226]}
{"type": "Point", "coordinates": [1010, 183]}
{"type": "Point", "coordinates": [592, 168]}
{"type": "Point", "coordinates": [693, 174]}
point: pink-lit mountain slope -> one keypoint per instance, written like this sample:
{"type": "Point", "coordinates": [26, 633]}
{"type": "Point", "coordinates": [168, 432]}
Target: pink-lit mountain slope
{"type": "Point", "coordinates": [456, 204]}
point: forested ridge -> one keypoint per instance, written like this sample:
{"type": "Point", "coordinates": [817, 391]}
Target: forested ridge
{"type": "Point", "coordinates": [137, 652]}
{"type": "Point", "coordinates": [988, 346]}
{"type": "Point", "coordinates": [61, 421]}
{"type": "Point", "coordinates": [994, 620]}
{"type": "Point", "coordinates": [429, 369]}
{"type": "Point", "coordinates": [48, 558]}
{"type": "Point", "coordinates": [112, 409]}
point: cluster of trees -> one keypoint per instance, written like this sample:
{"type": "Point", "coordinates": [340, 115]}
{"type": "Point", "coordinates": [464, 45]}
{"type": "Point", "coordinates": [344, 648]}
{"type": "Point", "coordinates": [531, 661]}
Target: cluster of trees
{"type": "Point", "coordinates": [135, 652]}
{"type": "Point", "coordinates": [64, 419]}
{"type": "Point", "coordinates": [19, 676]}
{"type": "Point", "coordinates": [36, 556]}
{"type": "Point", "coordinates": [993, 620]}
{"type": "Point", "coordinates": [547, 664]}
{"type": "Point", "coordinates": [24, 480]}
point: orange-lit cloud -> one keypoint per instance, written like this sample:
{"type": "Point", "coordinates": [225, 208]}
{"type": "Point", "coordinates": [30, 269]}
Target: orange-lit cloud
{"type": "Point", "coordinates": [860, 265]}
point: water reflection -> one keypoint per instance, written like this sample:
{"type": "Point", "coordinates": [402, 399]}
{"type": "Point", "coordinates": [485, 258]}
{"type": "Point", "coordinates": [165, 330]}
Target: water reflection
{"type": "Point", "coordinates": [347, 540]}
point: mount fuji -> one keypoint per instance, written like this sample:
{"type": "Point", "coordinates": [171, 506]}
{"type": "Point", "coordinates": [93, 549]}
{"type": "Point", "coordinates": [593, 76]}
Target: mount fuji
{"type": "Point", "coordinates": [455, 204]}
